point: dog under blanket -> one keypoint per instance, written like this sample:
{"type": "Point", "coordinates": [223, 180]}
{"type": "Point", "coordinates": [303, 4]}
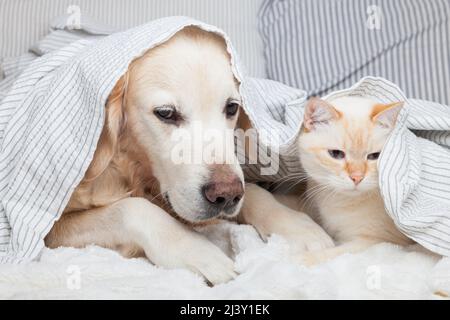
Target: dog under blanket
{"type": "Point", "coordinates": [52, 116]}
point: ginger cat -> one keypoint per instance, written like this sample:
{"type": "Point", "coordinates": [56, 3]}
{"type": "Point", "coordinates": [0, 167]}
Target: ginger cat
{"type": "Point", "coordinates": [339, 146]}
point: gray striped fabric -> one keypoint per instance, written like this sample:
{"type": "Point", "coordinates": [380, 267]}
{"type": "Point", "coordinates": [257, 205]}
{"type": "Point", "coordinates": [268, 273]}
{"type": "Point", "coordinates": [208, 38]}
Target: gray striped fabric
{"type": "Point", "coordinates": [51, 119]}
{"type": "Point", "coordinates": [322, 46]}
{"type": "Point", "coordinates": [24, 22]}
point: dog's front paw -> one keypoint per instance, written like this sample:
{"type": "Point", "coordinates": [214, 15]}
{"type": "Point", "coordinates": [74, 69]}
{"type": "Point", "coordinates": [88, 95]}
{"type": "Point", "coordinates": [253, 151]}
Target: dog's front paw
{"type": "Point", "coordinates": [201, 256]}
{"type": "Point", "coordinates": [208, 260]}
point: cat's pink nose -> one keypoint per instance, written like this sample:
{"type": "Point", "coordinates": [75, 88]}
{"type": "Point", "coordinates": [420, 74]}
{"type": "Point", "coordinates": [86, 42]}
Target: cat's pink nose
{"type": "Point", "coordinates": [356, 177]}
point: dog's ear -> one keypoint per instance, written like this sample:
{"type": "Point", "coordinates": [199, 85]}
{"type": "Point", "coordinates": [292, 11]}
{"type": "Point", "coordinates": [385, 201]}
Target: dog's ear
{"type": "Point", "coordinates": [115, 121]}
{"type": "Point", "coordinates": [243, 121]}
{"type": "Point", "coordinates": [115, 108]}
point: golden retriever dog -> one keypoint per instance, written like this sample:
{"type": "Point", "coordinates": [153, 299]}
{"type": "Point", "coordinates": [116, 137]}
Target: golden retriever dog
{"type": "Point", "coordinates": [133, 197]}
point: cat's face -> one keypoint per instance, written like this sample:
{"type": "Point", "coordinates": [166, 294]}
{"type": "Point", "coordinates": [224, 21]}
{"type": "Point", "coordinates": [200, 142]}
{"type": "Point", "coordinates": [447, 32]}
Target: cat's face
{"type": "Point", "coordinates": [341, 141]}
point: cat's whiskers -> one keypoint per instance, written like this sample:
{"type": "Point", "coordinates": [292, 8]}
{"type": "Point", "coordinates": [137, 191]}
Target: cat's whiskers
{"type": "Point", "coordinates": [330, 195]}
{"type": "Point", "coordinates": [295, 179]}
{"type": "Point", "coordinates": [296, 183]}
{"type": "Point", "coordinates": [295, 174]}
{"type": "Point", "coordinates": [313, 192]}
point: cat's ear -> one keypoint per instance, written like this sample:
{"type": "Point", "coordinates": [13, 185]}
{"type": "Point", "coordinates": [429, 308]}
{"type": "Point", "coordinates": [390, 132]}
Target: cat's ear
{"type": "Point", "coordinates": [317, 112]}
{"type": "Point", "coordinates": [386, 114]}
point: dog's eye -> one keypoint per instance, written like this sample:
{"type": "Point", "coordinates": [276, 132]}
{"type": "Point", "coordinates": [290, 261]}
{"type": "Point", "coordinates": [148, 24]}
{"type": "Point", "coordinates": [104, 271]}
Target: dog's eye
{"type": "Point", "coordinates": [337, 154]}
{"type": "Point", "coordinates": [231, 109]}
{"type": "Point", "coordinates": [373, 156]}
{"type": "Point", "coordinates": [167, 114]}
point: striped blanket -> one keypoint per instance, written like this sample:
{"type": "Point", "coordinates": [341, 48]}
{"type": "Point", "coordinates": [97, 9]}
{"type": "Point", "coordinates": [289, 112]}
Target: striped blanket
{"type": "Point", "coordinates": [51, 118]}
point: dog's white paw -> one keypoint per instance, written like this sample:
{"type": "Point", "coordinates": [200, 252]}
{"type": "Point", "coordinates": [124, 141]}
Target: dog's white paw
{"type": "Point", "coordinates": [213, 264]}
{"type": "Point", "coordinates": [199, 255]}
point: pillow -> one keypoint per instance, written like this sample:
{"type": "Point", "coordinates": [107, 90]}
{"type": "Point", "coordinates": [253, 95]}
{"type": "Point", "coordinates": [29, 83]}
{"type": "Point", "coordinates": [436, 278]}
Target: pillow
{"type": "Point", "coordinates": [323, 46]}
{"type": "Point", "coordinates": [10, 68]}
{"type": "Point", "coordinates": [24, 22]}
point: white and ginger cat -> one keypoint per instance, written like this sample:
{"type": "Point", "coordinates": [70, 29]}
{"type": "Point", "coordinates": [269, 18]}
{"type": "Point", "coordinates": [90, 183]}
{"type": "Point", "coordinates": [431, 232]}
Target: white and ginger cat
{"type": "Point", "coordinates": [339, 146]}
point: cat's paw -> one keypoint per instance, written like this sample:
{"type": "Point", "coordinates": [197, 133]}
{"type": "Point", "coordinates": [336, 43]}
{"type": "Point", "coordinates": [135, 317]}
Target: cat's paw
{"type": "Point", "coordinates": [307, 240]}
{"type": "Point", "coordinates": [304, 235]}
{"type": "Point", "coordinates": [307, 259]}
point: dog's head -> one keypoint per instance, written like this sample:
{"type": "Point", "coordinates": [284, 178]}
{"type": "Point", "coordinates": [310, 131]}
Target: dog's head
{"type": "Point", "coordinates": [184, 85]}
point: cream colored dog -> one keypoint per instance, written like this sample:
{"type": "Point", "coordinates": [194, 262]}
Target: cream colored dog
{"type": "Point", "coordinates": [133, 195]}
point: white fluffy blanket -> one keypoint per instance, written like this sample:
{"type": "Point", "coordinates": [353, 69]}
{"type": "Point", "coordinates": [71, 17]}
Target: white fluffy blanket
{"type": "Point", "coordinates": [266, 272]}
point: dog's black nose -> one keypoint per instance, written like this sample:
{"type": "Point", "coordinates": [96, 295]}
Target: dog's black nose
{"type": "Point", "coordinates": [225, 194]}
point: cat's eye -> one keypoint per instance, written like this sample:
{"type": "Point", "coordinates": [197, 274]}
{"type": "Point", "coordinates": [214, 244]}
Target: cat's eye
{"type": "Point", "coordinates": [231, 108]}
{"type": "Point", "coordinates": [337, 154]}
{"type": "Point", "coordinates": [373, 156]}
{"type": "Point", "coordinates": [167, 114]}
